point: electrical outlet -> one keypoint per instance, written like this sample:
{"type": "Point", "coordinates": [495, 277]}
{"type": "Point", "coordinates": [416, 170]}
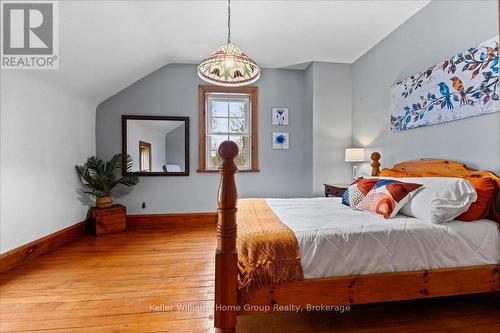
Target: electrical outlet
{"type": "Point", "coordinates": [143, 205]}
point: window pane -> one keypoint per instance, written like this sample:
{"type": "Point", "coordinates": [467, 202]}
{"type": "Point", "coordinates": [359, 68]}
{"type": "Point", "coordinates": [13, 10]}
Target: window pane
{"type": "Point", "coordinates": [214, 141]}
{"type": "Point", "coordinates": [219, 108]}
{"type": "Point", "coordinates": [220, 125]}
{"type": "Point", "coordinates": [243, 142]}
{"type": "Point", "coordinates": [228, 125]}
{"type": "Point", "coordinates": [242, 161]}
{"type": "Point", "coordinates": [238, 125]}
{"type": "Point", "coordinates": [214, 160]}
{"type": "Point", "coordinates": [238, 109]}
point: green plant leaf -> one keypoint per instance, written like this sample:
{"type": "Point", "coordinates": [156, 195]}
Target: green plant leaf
{"type": "Point", "coordinates": [99, 178]}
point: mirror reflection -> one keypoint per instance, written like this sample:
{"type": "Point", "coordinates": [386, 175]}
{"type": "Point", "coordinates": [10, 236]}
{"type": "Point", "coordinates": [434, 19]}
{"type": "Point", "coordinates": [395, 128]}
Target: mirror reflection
{"type": "Point", "coordinates": [157, 145]}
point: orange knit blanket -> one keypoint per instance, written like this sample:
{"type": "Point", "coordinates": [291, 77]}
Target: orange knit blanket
{"type": "Point", "coordinates": [268, 251]}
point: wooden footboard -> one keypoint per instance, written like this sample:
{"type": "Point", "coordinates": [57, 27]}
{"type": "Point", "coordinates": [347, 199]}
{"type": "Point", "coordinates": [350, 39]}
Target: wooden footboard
{"type": "Point", "coordinates": [374, 288]}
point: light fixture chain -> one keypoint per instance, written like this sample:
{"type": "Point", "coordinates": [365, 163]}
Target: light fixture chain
{"type": "Point", "coordinates": [228, 21]}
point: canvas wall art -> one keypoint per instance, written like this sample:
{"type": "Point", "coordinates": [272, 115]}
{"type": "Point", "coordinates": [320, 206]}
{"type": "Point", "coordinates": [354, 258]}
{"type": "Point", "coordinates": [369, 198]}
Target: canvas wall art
{"type": "Point", "coordinates": [280, 116]}
{"type": "Point", "coordinates": [281, 140]}
{"type": "Point", "coordinates": [462, 86]}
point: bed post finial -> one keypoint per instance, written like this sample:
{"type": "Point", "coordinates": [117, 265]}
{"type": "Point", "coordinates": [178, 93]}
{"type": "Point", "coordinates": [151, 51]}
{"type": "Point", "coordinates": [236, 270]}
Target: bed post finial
{"type": "Point", "coordinates": [226, 258]}
{"type": "Point", "coordinates": [375, 163]}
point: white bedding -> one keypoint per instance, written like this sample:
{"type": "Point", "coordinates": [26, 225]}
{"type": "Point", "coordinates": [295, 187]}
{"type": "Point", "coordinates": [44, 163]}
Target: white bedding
{"type": "Point", "coordinates": [335, 240]}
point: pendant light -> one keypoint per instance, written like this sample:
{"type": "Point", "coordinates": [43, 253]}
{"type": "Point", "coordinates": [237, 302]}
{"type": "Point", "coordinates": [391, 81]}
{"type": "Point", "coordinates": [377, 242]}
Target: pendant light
{"type": "Point", "coordinates": [228, 66]}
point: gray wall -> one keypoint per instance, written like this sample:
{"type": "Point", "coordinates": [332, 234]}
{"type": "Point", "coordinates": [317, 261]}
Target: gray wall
{"type": "Point", "coordinates": [332, 123]}
{"type": "Point", "coordinates": [176, 147]}
{"type": "Point", "coordinates": [309, 100]}
{"type": "Point", "coordinates": [45, 130]}
{"type": "Point", "coordinates": [439, 30]}
{"type": "Point", "coordinates": [173, 90]}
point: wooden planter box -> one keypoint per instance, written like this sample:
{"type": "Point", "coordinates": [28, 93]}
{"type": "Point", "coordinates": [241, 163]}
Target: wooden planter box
{"type": "Point", "coordinates": [103, 221]}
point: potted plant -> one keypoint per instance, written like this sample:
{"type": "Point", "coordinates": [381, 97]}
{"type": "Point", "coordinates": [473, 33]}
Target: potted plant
{"type": "Point", "coordinates": [100, 178]}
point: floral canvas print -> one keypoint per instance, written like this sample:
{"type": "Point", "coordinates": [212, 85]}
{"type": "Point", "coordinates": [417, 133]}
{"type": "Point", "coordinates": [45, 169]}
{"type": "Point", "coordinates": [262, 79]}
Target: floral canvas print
{"type": "Point", "coordinates": [280, 116]}
{"type": "Point", "coordinates": [462, 86]}
{"type": "Point", "coordinates": [280, 140]}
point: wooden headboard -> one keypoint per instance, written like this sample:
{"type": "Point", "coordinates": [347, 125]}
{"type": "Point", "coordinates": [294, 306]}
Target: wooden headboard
{"type": "Point", "coordinates": [444, 168]}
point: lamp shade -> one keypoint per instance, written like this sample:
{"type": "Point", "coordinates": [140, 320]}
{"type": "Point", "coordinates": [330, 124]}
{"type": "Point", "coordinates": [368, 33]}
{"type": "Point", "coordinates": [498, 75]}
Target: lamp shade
{"type": "Point", "coordinates": [229, 67]}
{"type": "Point", "coordinates": [355, 154]}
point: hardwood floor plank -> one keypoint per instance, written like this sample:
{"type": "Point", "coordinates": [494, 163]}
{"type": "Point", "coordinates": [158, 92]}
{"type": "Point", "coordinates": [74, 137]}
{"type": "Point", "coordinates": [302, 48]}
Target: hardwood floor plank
{"type": "Point", "coordinates": [108, 284]}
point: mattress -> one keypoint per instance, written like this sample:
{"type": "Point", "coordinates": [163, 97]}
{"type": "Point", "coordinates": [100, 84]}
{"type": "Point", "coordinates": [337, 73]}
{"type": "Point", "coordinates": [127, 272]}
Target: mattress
{"type": "Point", "coordinates": [335, 240]}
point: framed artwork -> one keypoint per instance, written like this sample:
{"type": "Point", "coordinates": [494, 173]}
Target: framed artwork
{"type": "Point", "coordinates": [465, 85]}
{"type": "Point", "coordinates": [281, 140]}
{"type": "Point", "coordinates": [280, 116]}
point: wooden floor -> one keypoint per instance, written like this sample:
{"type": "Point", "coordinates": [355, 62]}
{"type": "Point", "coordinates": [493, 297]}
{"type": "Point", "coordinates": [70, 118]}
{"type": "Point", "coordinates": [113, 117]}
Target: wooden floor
{"type": "Point", "coordinates": [109, 284]}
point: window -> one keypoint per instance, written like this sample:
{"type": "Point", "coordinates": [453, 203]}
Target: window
{"type": "Point", "coordinates": [228, 114]}
{"type": "Point", "coordinates": [144, 156]}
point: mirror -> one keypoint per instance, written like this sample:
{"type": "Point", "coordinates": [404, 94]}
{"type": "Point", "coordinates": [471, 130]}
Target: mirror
{"type": "Point", "coordinates": [158, 146]}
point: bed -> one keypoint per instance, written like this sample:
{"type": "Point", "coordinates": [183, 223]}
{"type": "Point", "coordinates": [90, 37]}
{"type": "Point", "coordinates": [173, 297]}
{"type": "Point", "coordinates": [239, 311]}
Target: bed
{"type": "Point", "coordinates": [348, 257]}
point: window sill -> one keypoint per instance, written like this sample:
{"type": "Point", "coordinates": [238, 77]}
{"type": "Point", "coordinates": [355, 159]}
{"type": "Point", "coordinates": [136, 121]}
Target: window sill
{"type": "Point", "coordinates": [217, 171]}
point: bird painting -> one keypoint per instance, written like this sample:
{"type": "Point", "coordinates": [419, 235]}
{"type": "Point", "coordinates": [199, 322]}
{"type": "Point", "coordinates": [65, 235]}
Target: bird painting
{"type": "Point", "coordinates": [462, 86]}
{"type": "Point", "coordinates": [494, 65]}
{"type": "Point", "coordinates": [445, 92]}
{"type": "Point", "coordinates": [458, 85]}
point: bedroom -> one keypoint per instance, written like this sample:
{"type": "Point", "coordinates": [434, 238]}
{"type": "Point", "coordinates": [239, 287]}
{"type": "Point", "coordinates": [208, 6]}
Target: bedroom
{"type": "Point", "coordinates": [327, 77]}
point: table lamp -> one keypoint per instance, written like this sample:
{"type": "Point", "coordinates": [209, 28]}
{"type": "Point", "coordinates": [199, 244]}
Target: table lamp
{"type": "Point", "coordinates": [354, 155]}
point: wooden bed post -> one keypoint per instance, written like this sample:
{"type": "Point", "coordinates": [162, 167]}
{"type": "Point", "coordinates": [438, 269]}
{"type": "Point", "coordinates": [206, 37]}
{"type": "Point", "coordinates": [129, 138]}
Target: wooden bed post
{"type": "Point", "coordinates": [226, 258]}
{"type": "Point", "coordinates": [375, 163]}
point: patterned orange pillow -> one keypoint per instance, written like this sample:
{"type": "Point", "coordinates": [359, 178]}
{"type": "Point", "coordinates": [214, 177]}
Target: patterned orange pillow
{"type": "Point", "coordinates": [357, 191]}
{"type": "Point", "coordinates": [486, 189]}
{"type": "Point", "coordinates": [387, 197]}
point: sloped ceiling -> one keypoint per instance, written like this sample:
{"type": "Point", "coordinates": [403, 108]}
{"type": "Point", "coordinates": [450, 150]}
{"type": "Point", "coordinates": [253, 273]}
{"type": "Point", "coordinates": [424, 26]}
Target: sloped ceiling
{"type": "Point", "coordinates": [107, 45]}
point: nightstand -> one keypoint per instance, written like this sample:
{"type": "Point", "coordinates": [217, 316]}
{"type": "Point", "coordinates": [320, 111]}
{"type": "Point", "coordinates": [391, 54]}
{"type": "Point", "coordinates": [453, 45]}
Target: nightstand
{"type": "Point", "coordinates": [335, 190]}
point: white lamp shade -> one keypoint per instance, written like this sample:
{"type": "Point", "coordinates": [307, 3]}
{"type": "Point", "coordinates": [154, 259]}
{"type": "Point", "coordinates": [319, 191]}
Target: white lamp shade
{"type": "Point", "coordinates": [355, 154]}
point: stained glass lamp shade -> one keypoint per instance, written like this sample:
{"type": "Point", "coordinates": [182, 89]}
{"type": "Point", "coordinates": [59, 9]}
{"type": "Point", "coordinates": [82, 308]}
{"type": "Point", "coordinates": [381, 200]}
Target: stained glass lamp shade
{"type": "Point", "coordinates": [230, 67]}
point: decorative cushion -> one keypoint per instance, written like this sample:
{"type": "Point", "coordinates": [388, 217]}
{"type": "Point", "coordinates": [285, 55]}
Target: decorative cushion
{"type": "Point", "coordinates": [441, 199]}
{"type": "Point", "coordinates": [486, 189]}
{"type": "Point", "coordinates": [357, 191]}
{"type": "Point", "coordinates": [387, 197]}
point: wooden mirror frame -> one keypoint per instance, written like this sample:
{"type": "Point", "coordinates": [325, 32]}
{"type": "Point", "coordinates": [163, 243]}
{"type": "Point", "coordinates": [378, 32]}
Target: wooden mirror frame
{"type": "Point", "coordinates": [155, 173]}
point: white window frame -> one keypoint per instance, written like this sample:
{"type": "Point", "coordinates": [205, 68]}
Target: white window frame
{"type": "Point", "coordinates": [227, 97]}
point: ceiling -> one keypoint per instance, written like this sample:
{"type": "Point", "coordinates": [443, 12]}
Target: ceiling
{"type": "Point", "coordinates": [107, 45]}
{"type": "Point", "coordinates": [161, 126]}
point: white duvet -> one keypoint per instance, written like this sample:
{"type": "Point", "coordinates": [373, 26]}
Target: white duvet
{"type": "Point", "coordinates": [335, 240]}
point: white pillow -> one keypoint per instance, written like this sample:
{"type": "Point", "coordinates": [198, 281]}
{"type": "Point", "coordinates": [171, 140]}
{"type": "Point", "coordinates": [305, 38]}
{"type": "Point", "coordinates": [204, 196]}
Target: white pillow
{"type": "Point", "coordinates": [441, 199]}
